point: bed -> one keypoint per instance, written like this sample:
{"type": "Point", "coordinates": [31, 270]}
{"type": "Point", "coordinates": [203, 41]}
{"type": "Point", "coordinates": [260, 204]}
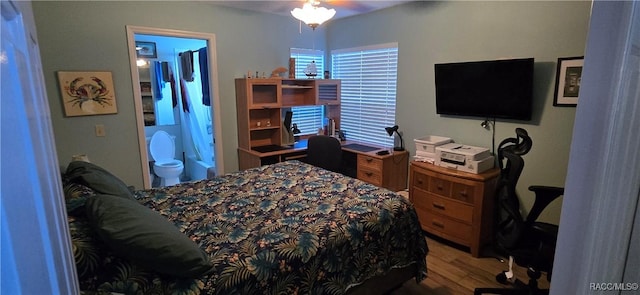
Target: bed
{"type": "Point", "coordinates": [285, 228]}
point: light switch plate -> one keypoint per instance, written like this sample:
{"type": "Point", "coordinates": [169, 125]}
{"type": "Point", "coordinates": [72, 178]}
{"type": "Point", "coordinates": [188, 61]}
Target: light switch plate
{"type": "Point", "coordinates": [100, 132]}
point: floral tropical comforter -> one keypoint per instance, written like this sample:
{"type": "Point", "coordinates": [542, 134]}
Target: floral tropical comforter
{"type": "Point", "coordinates": [286, 228]}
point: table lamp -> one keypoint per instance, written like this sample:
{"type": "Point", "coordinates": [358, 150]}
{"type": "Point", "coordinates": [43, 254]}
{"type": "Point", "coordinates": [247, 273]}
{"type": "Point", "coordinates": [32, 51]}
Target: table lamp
{"type": "Point", "coordinates": [390, 131]}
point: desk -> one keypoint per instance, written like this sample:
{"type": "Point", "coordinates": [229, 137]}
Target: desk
{"type": "Point", "coordinates": [388, 171]}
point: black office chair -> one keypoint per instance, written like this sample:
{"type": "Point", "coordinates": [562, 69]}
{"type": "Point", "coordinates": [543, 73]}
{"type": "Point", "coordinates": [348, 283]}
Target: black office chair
{"type": "Point", "coordinates": [325, 152]}
{"type": "Point", "coordinates": [528, 242]}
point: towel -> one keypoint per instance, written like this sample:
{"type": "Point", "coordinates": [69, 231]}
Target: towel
{"type": "Point", "coordinates": [204, 75]}
{"type": "Point", "coordinates": [165, 72]}
{"type": "Point", "coordinates": [159, 84]}
{"type": "Point", "coordinates": [174, 92]}
{"type": "Point", "coordinates": [186, 62]}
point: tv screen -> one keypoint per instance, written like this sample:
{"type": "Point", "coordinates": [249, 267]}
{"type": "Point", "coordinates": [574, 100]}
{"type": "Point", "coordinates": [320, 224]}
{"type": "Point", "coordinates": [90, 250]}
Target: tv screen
{"type": "Point", "coordinates": [488, 89]}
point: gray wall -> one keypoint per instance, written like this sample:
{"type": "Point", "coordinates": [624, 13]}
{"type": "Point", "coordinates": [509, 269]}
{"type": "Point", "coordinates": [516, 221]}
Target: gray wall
{"type": "Point", "coordinates": [91, 36]}
{"type": "Point", "coordinates": [454, 31]}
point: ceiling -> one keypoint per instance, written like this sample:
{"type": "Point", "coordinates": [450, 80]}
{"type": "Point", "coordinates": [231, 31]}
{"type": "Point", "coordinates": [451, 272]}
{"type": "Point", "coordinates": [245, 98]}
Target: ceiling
{"type": "Point", "coordinates": [344, 8]}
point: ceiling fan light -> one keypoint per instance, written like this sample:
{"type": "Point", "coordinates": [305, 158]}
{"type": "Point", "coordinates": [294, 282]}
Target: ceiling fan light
{"type": "Point", "coordinates": [312, 15]}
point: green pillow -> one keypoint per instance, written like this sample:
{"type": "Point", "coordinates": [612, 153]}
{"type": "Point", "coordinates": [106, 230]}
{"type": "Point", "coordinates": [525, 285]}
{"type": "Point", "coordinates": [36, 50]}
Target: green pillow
{"type": "Point", "coordinates": [145, 237]}
{"type": "Point", "coordinates": [97, 178]}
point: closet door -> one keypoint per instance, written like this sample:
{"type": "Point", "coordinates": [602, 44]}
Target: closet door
{"type": "Point", "coordinates": [36, 250]}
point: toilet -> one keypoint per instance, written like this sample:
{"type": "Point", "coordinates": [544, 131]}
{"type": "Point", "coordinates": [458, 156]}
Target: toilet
{"type": "Point", "coordinates": [162, 149]}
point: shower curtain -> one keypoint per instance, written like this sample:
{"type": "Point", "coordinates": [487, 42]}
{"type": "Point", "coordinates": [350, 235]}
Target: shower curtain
{"type": "Point", "coordinates": [196, 116]}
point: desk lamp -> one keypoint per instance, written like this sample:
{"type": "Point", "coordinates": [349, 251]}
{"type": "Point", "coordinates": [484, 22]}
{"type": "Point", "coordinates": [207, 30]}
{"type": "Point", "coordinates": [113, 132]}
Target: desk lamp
{"type": "Point", "coordinates": [390, 131]}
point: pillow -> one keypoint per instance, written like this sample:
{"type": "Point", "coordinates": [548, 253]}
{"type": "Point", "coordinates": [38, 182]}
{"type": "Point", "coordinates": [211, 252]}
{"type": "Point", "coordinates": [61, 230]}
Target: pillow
{"type": "Point", "coordinates": [147, 238]}
{"type": "Point", "coordinates": [97, 178]}
{"type": "Point", "coordinates": [75, 195]}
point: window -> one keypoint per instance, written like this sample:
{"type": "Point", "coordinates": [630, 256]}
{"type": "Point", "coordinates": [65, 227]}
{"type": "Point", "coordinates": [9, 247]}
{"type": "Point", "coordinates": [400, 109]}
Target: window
{"type": "Point", "coordinates": [304, 57]}
{"type": "Point", "coordinates": [369, 80]}
{"type": "Point", "coordinates": [310, 118]}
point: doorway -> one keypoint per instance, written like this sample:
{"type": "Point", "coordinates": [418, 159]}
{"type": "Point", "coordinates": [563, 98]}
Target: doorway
{"type": "Point", "coordinates": [150, 113]}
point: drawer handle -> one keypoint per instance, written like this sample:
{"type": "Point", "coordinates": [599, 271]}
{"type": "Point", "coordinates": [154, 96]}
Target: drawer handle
{"type": "Point", "coordinates": [439, 206]}
{"type": "Point", "coordinates": [437, 224]}
{"type": "Point", "coordinates": [368, 174]}
{"type": "Point", "coordinates": [419, 181]}
{"type": "Point", "coordinates": [439, 186]}
{"type": "Point", "coordinates": [369, 160]}
{"type": "Point", "coordinates": [464, 194]}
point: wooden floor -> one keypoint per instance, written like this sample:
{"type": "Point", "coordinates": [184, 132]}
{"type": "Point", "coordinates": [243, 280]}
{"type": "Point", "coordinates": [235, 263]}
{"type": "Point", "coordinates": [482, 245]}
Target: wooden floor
{"type": "Point", "coordinates": [453, 271]}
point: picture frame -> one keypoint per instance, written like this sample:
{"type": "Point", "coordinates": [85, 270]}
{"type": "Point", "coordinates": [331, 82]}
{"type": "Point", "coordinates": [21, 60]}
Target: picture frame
{"type": "Point", "coordinates": [146, 49]}
{"type": "Point", "coordinates": [568, 78]}
{"type": "Point", "coordinates": [87, 93]}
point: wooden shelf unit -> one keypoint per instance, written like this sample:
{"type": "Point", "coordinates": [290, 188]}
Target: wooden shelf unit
{"type": "Point", "coordinates": [148, 98]}
{"type": "Point", "coordinates": [454, 205]}
{"type": "Point", "coordinates": [260, 104]}
{"type": "Point", "coordinates": [298, 92]}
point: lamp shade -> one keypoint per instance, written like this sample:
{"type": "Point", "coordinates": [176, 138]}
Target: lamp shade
{"type": "Point", "coordinates": [390, 131]}
{"type": "Point", "coordinates": [312, 15]}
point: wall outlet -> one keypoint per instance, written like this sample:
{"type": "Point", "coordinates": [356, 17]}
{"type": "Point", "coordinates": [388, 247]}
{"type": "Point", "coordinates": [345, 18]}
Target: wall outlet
{"type": "Point", "coordinates": [100, 132]}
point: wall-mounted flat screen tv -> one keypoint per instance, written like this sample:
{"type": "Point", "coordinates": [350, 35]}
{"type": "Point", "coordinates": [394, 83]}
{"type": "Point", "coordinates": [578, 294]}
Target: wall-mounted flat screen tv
{"type": "Point", "coordinates": [489, 89]}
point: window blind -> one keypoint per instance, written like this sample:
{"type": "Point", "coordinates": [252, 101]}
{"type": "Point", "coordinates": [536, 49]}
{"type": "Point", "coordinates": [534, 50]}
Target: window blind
{"type": "Point", "coordinates": [304, 57]}
{"type": "Point", "coordinates": [369, 81]}
{"type": "Point", "coordinates": [308, 118]}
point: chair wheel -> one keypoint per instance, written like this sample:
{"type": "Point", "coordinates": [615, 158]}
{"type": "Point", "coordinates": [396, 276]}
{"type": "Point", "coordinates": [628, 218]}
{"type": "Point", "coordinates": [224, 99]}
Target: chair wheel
{"type": "Point", "coordinates": [501, 278]}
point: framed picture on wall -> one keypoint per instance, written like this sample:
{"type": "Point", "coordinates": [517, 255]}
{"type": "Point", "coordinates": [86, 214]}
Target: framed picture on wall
{"type": "Point", "coordinates": [87, 93]}
{"type": "Point", "coordinates": [568, 76]}
{"type": "Point", "coordinates": [146, 49]}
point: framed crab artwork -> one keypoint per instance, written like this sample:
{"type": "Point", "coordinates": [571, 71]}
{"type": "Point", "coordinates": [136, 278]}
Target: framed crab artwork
{"type": "Point", "coordinates": [87, 93]}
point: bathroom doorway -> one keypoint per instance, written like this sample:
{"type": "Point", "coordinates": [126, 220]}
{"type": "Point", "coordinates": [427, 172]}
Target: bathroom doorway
{"type": "Point", "coordinates": [166, 101]}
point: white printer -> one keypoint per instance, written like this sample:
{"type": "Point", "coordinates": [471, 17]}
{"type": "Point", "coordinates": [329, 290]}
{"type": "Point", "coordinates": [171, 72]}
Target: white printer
{"type": "Point", "coordinates": [464, 157]}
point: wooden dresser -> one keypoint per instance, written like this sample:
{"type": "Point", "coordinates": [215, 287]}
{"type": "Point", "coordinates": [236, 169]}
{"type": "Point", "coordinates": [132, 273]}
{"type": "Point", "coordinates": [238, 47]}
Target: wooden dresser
{"type": "Point", "coordinates": [454, 205]}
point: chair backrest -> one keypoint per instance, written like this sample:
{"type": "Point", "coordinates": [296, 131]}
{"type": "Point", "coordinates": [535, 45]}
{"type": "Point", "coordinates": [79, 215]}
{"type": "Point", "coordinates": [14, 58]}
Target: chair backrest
{"type": "Point", "coordinates": [325, 152]}
{"type": "Point", "coordinates": [510, 224]}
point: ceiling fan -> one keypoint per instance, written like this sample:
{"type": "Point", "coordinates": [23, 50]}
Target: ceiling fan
{"type": "Point", "coordinates": [315, 12]}
{"type": "Point", "coordinates": [343, 8]}
{"type": "Point", "coordinates": [358, 6]}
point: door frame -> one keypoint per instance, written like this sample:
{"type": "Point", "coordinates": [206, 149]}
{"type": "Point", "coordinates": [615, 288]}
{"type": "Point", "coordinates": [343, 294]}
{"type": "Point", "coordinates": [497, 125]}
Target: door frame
{"type": "Point", "coordinates": [213, 85]}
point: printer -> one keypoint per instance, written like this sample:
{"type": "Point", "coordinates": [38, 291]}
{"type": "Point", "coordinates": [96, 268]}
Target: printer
{"type": "Point", "coordinates": [464, 157]}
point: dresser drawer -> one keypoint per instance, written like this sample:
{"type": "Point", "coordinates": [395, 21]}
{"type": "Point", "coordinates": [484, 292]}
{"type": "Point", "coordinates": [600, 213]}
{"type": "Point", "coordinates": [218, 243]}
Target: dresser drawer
{"type": "Point", "coordinates": [369, 163]}
{"type": "Point", "coordinates": [463, 192]}
{"type": "Point", "coordinates": [420, 181]}
{"type": "Point", "coordinates": [447, 228]}
{"type": "Point", "coordinates": [440, 186]}
{"type": "Point", "coordinates": [443, 206]}
{"type": "Point", "coordinates": [371, 176]}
